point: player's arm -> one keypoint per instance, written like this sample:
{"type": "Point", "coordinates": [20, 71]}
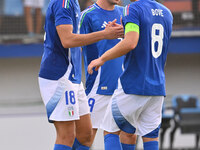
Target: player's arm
{"type": "Point", "coordinates": [69, 39]}
{"type": "Point", "coordinates": [129, 43]}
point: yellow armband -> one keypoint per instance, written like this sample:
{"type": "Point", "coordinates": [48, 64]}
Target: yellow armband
{"type": "Point", "coordinates": [132, 27]}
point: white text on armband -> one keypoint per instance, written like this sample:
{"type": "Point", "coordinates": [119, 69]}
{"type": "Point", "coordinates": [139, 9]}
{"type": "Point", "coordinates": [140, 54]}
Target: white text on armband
{"type": "Point", "coordinates": [157, 12]}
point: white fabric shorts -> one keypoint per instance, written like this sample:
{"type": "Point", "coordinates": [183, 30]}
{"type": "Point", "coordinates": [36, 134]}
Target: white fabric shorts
{"type": "Point", "coordinates": [130, 112]}
{"type": "Point", "coordinates": [34, 3]}
{"type": "Point", "coordinates": [64, 100]}
{"type": "Point", "coordinates": [98, 105]}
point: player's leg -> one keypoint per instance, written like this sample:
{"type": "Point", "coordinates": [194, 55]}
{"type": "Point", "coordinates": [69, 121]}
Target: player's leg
{"type": "Point", "coordinates": [150, 120]}
{"type": "Point", "coordinates": [150, 143]}
{"type": "Point", "coordinates": [128, 141]}
{"type": "Point", "coordinates": [150, 140]}
{"type": "Point", "coordinates": [65, 131]}
{"type": "Point", "coordinates": [28, 16]}
{"type": "Point", "coordinates": [38, 13]}
{"type": "Point", "coordinates": [98, 105]}
{"type": "Point", "coordinates": [29, 20]}
{"type": "Point", "coordinates": [112, 141]}
{"type": "Point", "coordinates": [83, 126]}
{"type": "Point", "coordinates": [114, 120]}
{"type": "Point", "coordinates": [59, 97]}
{"type": "Point", "coordinates": [77, 143]}
{"type": "Point", "coordinates": [111, 130]}
{"type": "Point", "coordinates": [84, 132]}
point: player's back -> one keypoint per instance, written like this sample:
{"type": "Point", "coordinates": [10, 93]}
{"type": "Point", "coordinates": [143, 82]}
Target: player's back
{"type": "Point", "coordinates": [144, 66]}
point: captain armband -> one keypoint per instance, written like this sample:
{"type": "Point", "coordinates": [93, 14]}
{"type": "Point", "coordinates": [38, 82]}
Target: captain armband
{"type": "Point", "coordinates": [132, 27]}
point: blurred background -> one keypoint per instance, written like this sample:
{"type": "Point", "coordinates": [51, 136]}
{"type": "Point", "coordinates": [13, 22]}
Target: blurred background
{"type": "Point", "coordinates": [23, 121]}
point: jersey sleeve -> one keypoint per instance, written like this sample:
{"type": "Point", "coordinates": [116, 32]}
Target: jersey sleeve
{"type": "Point", "coordinates": [131, 14]}
{"type": "Point", "coordinates": [62, 13]}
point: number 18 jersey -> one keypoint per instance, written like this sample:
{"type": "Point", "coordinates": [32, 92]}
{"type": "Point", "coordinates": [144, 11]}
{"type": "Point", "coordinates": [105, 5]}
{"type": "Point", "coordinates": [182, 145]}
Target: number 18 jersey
{"type": "Point", "coordinates": [144, 66]}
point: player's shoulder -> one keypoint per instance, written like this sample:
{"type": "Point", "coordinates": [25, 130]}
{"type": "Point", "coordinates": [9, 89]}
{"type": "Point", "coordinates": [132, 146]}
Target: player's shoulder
{"type": "Point", "coordinates": [89, 11]}
{"type": "Point", "coordinates": [87, 14]}
{"type": "Point", "coordinates": [59, 4]}
{"type": "Point", "coordinates": [119, 7]}
{"type": "Point", "coordinates": [135, 4]}
{"type": "Point", "coordinates": [164, 8]}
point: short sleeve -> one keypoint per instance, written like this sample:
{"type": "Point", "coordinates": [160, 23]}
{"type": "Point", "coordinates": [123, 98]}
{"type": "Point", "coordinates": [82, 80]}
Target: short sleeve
{"type": "Point", "coordinates": [62, 15]}
{"type": "Point", "coordinates": [131, 14]}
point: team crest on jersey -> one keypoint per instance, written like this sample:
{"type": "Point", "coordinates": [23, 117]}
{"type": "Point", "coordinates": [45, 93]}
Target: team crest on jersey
{"type": "Point", "coordinates": [104, 24]}
{"type": "Point", "coordinates": [71, 111]}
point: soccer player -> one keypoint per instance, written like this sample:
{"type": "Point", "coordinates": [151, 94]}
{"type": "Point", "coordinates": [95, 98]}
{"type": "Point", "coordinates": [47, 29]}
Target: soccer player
{"type": "Point", "coordinates": [60, 73]}
{"type": "Point", "coordinates": [101, 85]}
{"type": "Point", "coordinates": [136, 104]}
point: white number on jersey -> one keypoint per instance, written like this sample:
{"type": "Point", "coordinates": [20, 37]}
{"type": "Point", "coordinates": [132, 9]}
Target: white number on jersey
{"type": "Point", "coordinates": [157, 38]}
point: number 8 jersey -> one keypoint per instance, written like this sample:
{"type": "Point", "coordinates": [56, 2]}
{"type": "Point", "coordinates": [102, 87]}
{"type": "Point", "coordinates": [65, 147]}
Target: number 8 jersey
{"type": "Point", "coordinates": [144, 65]}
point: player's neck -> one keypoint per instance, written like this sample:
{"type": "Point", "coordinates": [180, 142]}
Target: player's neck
{"type": "Point", "coordinates": [105, 5]}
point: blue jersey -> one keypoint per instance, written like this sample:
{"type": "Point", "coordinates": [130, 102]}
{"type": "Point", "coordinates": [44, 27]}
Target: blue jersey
{"type": "Point", "coordinates": [95, 19]}
{"type": "Point", "coordinates": [57, 59]}
{"type": "Point", "coordinates": [144, 66]}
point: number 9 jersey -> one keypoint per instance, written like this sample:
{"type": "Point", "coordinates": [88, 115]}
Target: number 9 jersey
{"type": "Point", "coordinates": [144, 65]}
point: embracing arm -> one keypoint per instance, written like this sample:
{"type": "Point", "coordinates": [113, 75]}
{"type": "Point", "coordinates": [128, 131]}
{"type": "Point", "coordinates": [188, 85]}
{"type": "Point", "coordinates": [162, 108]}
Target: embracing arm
{"type": "Point", "coordinates": [129, 43]}
{"type": "Point", "coordinates": [69, 39]}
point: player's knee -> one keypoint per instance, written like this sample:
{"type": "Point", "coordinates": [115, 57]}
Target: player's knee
{"type": "Point", "coordinates": [128, 138]}
{"type": "Point", "coordinates": [62, 137]}
{"type": "Point", "coordinates": [85, 137]}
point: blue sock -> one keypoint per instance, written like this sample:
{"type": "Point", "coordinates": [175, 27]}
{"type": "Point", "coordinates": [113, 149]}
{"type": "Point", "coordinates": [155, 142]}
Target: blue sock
{"type": "Point", "coordinates": [82, 147]}
{"type": "Point", "coordinates": [76, 144]}
{"type": "Point", "coordinates": [112, 142]}
{"type": "Point", "coordinates": [61, 147]}
{"type": "Point", "coordinates": [152, 145]}
{"type": "Point", "coordinates": [128, 146]}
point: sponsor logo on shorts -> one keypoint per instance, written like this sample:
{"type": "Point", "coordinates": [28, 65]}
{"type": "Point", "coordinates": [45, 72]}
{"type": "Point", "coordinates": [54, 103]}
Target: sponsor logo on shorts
{"type": "Point", "coordinates": [71, 111]}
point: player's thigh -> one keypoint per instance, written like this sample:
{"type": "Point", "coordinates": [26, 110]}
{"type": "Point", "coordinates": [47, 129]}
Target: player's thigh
{"type": "Point", "coordinates": [151, 116]}
{"type": "Point", "coordinates": [65, 132]}
{"type": "Point", "coordinates": [65, 128]}
{"type": "Point", "coordinates": [84, 130]}
{"type": "Point", "coordinates": [84, 125]}
{"type": "Point", "coordinates": [98, 105]}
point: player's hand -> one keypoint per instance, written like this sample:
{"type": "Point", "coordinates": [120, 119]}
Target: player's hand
{"type": "Point", "coordinates": [97, 63]}
{"type": "Point", "coordinates": [113, 30]}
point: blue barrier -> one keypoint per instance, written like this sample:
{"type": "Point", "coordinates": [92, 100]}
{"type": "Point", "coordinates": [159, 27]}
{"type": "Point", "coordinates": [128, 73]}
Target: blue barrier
{"type": "Point", "coordinates": [184, 45]}
{"type": "Point", "coordinates": [188, 45]}
{"type": "Point", "coordinates": [20, 51]}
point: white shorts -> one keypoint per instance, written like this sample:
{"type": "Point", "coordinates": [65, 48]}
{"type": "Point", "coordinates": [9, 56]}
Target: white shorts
{"type": "Point", "coordinates": [141, 113]}
{"type": "Point", "coordinates": [98, 105]}
{"type": "Point", "coordinates": [64, 100]}
{"type": "Point", "coordinates": [34, 3]}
